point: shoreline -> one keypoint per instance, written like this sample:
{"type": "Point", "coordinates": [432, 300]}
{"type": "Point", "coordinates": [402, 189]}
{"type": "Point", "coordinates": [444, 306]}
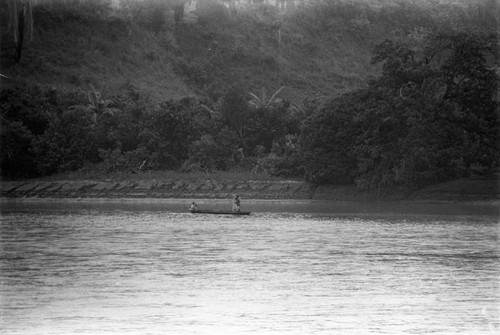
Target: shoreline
{"type": "Point", "coordinates": [329, 208]}
{"type": "Point", "coordinates": [484, 189]}
{"type": "Point", "coordinates": [146, 200]}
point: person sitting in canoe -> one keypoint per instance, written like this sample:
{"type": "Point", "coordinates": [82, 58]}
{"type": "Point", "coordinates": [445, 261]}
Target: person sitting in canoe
{"type": "Point", "coordinates": [193, 207]}
{"type": "Point", "coordinates": [236, 203]}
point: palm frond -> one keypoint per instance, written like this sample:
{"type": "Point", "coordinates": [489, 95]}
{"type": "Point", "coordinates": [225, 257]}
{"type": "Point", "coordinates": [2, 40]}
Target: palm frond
{"type": "Point", "coordinates": [210, 111]}
{"type": "Point", "coordinates": [255, 97]}
{"type": "Point", "coordinates": [262, 101]}
{"type": "Point", "coordinates": [275, 94]}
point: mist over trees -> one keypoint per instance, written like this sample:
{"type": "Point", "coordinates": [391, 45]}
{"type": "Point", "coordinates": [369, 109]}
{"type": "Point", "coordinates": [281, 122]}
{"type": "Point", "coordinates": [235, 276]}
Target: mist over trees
{"type": "Point", "coordinates": [427, 113]}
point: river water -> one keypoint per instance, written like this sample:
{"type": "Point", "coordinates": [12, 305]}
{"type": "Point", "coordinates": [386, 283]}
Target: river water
{"type": "Point", "coordinates": [150, 269]}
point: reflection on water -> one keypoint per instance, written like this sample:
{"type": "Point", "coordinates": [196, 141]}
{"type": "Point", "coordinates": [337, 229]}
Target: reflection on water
{"type": "Point", "coordinates": [158, 272]}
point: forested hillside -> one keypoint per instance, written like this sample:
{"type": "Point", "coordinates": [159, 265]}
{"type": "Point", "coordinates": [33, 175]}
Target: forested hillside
{"type": "Point", "coordinates": [143, 45]}
{"type": "Point", "coordinates": [382, 94]}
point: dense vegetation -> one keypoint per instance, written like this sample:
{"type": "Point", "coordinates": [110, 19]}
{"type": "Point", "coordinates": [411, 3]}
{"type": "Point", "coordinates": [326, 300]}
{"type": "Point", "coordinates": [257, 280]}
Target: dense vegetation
{"type": "Point", "coordinates": [427, 113]}
{"type": "Point", "coordinates": [424, 120]}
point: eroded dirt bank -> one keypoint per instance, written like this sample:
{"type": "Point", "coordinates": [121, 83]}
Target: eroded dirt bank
{"type": "Point", "coordinates": [470, 189]}
{"type": "Point", "coordinates": [158, 189]}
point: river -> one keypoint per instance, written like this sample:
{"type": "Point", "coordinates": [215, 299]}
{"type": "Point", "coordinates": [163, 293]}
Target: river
{"type": "Point", "coordinates": [288, 268]}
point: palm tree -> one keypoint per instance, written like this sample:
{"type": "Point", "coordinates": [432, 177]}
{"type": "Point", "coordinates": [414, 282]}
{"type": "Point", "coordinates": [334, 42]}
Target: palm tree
{"type": "Point", "coordinates": [262, 101]}
{"type": "Point", "coordinates": [97, 105]}
{"type": "Point", "coordinates": [21, 22]}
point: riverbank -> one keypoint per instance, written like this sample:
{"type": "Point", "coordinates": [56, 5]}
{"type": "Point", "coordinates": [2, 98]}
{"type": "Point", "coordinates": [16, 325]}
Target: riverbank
{"type": "Point", "coordinates": [481, 188]}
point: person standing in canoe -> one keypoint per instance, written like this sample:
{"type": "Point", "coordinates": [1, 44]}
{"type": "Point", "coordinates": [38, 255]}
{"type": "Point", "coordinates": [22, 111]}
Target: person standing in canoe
{"type": "Point", "coordinates": [193, 207]}
{"type": "Point", "coordinates": [236, 203]}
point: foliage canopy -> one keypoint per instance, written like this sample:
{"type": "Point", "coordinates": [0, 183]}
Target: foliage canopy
{"type": "Point", "coordinates": [429, 114]}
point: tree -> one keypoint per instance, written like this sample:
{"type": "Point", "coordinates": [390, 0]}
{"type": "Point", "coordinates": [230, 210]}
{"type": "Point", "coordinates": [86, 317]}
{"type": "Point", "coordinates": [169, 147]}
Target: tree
{"type": "Point", "coordinates": [16, 159]}
{"type": "Point", "coordinates": [25, 113]}
{"type": "Point", "coordinates": [471, 92]}
{"type": "Point", "coordinates": [179, 10]}
{"type": "Point", "coordinates": [235, 112]}
{"type": "Point", "coordinates": [67, 143]}
{"type": "Point", "coordinates": [327, 141]}
{"type": "Point", "coordinates": [169, 129]}
{"type": "Point", "coordinates": [97, 106]}
{"type": "Point", "coordinates": [262, 100]}
{"type": "Point", "coordinates": [206, 154]}
{"type": "Point", "coordinates": [431, 116]}
{"type": "Point", "coordinates": [21, 22]}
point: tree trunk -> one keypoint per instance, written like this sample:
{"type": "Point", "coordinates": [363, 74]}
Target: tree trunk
{"type": "Point", "coordinates": [179, 12]}
{"type": "Point", "coordinates": [239, 131]}
{"type": "Point", "coordinates": [20, 30]}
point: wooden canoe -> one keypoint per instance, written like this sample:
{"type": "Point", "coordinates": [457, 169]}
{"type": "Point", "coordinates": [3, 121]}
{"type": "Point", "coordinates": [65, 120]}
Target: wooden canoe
{"type": "Point", "coordinates": [220, 212]}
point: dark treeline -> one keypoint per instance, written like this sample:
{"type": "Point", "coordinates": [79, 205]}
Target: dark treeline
{"type": "Point", "coordinates": [431, 115]}
{"type": "Point", "coordinates": [45, 132]}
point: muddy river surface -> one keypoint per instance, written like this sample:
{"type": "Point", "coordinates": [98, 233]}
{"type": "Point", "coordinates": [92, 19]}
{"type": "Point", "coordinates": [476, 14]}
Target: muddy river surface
{"type": "Point", "coordinates": [285, 269]}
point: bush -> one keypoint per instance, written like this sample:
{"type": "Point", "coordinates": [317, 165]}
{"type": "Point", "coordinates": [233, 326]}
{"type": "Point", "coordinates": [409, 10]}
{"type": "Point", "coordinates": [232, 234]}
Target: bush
{"type": "Point", "coordinates": [327, 141]}
{"type": "Point", "coordinates": [169, 129]}
{"type": "Point", "coordinates": [206, 155]}
{"type": "Point", "coordinates": [116, 160]}
{"type": "Point", "coordinates": [284, 160]}
{"type": "Point", "coordinates": [16, 159]}
{"type": "Point", "coordinates": [67, 143]}
{"type": "Point", "coordinates": [26, 114]}
{"type": "Point", "coordinates": [414, 125]}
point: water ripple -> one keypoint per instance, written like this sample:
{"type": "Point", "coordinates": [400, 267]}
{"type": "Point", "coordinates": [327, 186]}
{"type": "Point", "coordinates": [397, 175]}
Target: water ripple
{"type": "Point", "coordinates": [94, 272]}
